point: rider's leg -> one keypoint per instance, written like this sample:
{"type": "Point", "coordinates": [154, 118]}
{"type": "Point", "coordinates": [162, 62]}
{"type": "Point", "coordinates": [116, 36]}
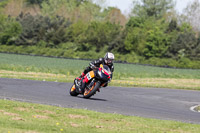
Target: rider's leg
{"type": "Point", "coordinates": [86, 79]}
{"type": "Point", "coordinates": [83, 85]}
{"type": "Point", "coordinates": [87, 69]}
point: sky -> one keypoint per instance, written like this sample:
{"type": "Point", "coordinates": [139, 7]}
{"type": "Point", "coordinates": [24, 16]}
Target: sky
{"type": "Point", "coordinates": [125, 5]}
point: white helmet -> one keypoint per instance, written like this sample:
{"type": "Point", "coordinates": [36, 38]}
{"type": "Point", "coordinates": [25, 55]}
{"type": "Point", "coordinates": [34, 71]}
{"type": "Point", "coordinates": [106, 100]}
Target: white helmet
{"type": "Point", "coordinates": [109, 57]}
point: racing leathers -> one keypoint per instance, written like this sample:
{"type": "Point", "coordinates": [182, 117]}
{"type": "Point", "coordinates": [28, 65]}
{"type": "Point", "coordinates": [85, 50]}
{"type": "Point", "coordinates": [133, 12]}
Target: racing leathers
{"type": "Point", "coordinates": [92, 66]}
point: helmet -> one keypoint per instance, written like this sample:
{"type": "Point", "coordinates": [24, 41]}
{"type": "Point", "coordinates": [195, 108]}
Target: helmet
{"type": "Point", "coordinates": [109, 57]}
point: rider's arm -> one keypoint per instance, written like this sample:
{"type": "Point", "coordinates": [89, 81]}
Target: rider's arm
{"type": "Point", "coordinates": [112, 68]}
{"type": "Point", "coordinates": [96, 63]}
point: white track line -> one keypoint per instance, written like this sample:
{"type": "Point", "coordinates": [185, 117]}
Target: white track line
{"type": "Point", "coordinates": [193, 108]}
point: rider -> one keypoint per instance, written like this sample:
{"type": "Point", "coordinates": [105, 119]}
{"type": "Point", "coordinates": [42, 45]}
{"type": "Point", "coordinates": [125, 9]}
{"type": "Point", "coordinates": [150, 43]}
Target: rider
{"type": "Point", "coordinates": [107, 60]}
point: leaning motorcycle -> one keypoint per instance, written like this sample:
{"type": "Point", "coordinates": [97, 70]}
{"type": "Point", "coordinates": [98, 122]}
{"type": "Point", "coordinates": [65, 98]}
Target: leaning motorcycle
{"type": "Point", "coordinates": [101, 77]}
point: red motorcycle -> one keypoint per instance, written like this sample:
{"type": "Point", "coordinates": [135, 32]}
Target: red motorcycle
{"type": "Point", "coordinates": [98, 79]}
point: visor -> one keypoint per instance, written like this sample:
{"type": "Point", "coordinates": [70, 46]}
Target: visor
{"type": "Point", "coordinates": [109, 61]}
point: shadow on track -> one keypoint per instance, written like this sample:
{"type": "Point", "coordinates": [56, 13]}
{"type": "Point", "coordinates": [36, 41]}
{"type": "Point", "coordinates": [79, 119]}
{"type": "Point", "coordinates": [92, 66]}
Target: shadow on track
{"type": "Point", "coordinates": [95, 99]}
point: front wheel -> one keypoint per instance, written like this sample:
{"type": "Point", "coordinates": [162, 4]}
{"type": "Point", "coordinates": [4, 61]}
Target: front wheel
{"type": "Point", "coordinates": [91, 91]}
{"type": "Point", "coordinates": [72, 91]}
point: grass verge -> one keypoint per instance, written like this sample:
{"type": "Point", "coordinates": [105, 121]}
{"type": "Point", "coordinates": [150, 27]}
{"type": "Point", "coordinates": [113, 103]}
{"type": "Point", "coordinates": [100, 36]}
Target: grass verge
{"type": "Point", "coordinates": [126, 75]}
{"type": "Point", "coordinates": [190, 84]}
{"type": "Point", "coordinates": [20, 117]}
{"type": "Point", "coordinates": [13, 62]}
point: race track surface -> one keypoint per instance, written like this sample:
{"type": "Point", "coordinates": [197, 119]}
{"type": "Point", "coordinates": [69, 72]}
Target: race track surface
{"type": "Point", "coordinates": [159, 103]}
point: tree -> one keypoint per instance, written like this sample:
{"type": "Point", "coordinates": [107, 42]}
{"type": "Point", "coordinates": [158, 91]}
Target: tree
{"type": "Point", "coordinates": [147, 37]}
{"type": "Point", "coordinates": [191, 15]}
{"type": "Point", "coordinates": [100, 34]}
{"type": "Point", "coordinates": [75, 33]}
{"type": "Point", "coordinates": [39, 2]}
{"type": "Point", "coordinates": [9, 30]}
{"type": "Point", "coordinates": [3, 3]}
{"type": "Point", "coordinates": [40, 28]}
{"type": "Point", "coordinates": [152, 8]}
{"type": "Point", "coordinates": [135, 35]}
{"type": "Point", "coordinates": [173, 26]}
{"type": "Point", "coordinates": [197, 49]}
{"type": "Point", "coordinates": [115, 16]}
{"type": "Point", "coordinates": [77, 10]}
{"type": "Point", "coordinates": [185, 45]}
{"type": "Point", "coordinates": [156, 43]}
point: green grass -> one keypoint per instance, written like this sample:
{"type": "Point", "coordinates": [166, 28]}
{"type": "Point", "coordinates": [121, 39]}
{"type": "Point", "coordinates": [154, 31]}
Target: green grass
{"type": "Point", "coordinates": [198, 108]}
{"type": "Point", "coordinates": [75, 67]}
{"type": "Point", "coordinates": [19, 117]}
{"type": "Point", "coordinates": [41, 64]}
{"type": "Point", "coordinates": [65, 70]}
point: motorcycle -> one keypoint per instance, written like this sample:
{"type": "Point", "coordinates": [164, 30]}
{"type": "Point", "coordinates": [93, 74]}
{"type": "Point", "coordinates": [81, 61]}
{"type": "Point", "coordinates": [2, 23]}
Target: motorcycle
{"type": "Point", "coordinates": [101, 77]}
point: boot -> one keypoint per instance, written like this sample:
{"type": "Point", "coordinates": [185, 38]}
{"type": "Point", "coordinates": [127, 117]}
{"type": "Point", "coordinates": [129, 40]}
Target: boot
{"type": "Point", "coordinates": [81, 76]}
{"type": "Point", "coordinates": [83, 85]}
{"type": "Point", "coordinates": [84, 80]}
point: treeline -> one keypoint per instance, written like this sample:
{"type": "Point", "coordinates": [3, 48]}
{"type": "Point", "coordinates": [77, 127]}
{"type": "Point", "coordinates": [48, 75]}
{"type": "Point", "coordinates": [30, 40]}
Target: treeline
{"type": "Point", "coordinates": [81, 29]}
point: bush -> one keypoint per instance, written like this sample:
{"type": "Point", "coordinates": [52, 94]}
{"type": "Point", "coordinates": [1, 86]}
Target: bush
{"type": "Point", "coordinates": [39, 2]}
{"type": "Point", "coordinates": [185, 45]}
{"type": "Point", "coordinates": [42, 30]}
{"type": "Point", "coordinates": [99, 35]}
{"type": "Point", "coordinates": [165, 62]}
{"type": "Point", "coordinates": [9, 30]}
{"type": "Point", "coordinates": [169, 62]}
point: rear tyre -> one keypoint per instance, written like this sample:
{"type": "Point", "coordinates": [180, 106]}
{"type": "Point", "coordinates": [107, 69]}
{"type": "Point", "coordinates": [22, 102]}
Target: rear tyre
{"type": "Point", "coordinates": [91, 91]}
{"type": "Point", "coordinates": [72, 91]}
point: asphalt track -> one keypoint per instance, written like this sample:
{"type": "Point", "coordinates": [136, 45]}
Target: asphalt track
{"type": "Point", "coordinates": [159, 103]}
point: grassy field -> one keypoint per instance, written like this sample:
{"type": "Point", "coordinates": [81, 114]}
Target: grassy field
{"type": "Point", "coordinates": [75, 67]}
{"type": "Point", "coordinates": [19, 117]}
{"type": "Point", "coordinates": [65, 70]}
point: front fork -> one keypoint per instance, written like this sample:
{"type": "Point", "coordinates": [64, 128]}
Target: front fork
{"type": "Point", "coordinates": [92, 83]}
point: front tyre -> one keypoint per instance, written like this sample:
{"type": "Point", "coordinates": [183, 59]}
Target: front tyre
{"type": "Point", "coordinates": [72, 91]}
{"type": "Point", "coordinates": [91, 91]}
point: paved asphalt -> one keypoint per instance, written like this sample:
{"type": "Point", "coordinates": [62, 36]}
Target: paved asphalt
{"type": "Point", "coordinates": [159, 103]}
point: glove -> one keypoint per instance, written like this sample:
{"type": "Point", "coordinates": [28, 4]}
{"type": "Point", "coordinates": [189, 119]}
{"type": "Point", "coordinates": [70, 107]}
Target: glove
{"type": "Point", "coordinates": [93, 67]}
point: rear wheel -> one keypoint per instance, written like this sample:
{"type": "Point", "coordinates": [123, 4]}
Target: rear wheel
{"type": "Point", "coordinates": [72, 91]}
{"type": "Point", "coordinates": [91, 91]}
